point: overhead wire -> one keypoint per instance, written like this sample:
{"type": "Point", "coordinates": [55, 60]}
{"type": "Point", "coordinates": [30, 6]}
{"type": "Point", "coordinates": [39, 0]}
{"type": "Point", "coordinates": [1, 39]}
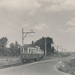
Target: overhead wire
{"type": "Point", "coordinates": [15, 22]}
{"type": "Point", "coordinates": [10, 26]}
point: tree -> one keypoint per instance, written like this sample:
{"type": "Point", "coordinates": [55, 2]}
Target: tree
{"type": "Point", "coordinates": [12, 45]}
{"type": "Point", "coordinates": [15, 49]}
{"type": "Point", "coordinates": [49, 41]}
{"type": "Point", "coordinates": [41, 44]}
{"type": "Point", "coordinates": [52, 49]}
{"type": "Point", "coordinates": [3, 42]}
{"type": "Point", "coordinates": [16, 45]}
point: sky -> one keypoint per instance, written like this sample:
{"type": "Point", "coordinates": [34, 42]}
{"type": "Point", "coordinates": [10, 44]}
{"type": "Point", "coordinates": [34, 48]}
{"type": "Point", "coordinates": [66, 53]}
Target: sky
{"type": "Point", "coordinates": [53, 18]}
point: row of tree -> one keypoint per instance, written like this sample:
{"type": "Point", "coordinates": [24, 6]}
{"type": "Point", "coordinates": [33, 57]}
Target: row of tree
{"type": "Point", "coordinates": [14, 49]}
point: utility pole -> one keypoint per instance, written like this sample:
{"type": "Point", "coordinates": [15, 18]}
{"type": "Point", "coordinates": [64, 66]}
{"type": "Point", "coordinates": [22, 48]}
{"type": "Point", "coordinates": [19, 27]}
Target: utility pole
{"type": "Point", "coordinates": [45, 47]}
{"type": "Point", "coordinates": [57, 47]}
{"type": "Point", "coordinates": [62, 49]}
{"type": "Point", "coordinates": [57, 50]}
{"type": "Point", "coordinates": [24, 34]}
{"type": "Point", "coordinates": [22, 37]}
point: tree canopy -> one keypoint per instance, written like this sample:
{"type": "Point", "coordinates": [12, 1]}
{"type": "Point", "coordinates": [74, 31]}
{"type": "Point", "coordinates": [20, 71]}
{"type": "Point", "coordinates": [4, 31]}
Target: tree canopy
{"type": "Point", "coordinates": [3, 42]}
{"type": "Point", "coordinates": [14, 48]}
{"type": "Point", "coordinates": [41, 44]}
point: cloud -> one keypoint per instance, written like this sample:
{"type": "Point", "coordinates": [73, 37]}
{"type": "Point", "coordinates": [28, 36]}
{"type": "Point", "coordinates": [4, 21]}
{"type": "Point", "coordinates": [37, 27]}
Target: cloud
{"type": "Point", "coordinates": [32, 5]}
{"type": "Point", "coordinates": [72, 30]}
{"type": "Point", "coordinates": [32, 13]}
{"type": "Point", "coordinates": [52, 1]}
{"type": "Point", "coordinates": [41, 26]}
{"type": "Point", "coordinates": [60, 5]}
{"type": "Point", "coordinates": [68, 30]}
{"type": "Point", "coordinates": [53, 8]}
{"type": "Point", "coordinates": [61, 30]}
{"type": "Point", "coordinates": [25, 5]}
{"type": "Point", "coordinates": [71, 22]}
{"type": "Point", "coordinates": [26, 25]}
{"type": "Point", "coordinates": [71, 26]}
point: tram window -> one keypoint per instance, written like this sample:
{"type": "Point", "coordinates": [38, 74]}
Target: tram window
{"type": "Point", "coordinates": [29, 50]}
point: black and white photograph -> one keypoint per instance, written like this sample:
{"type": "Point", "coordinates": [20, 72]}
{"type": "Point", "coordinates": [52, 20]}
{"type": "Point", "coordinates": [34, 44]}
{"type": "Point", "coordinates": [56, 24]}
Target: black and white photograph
{"type": "Point", "coordinates": [37, 37]}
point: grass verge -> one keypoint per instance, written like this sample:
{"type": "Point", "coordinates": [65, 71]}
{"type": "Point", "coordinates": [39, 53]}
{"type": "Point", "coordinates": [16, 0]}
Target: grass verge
{"type": "Point", "coordinates": [67, 66]}
{"type": "Point", "coordinates": [6, 62]}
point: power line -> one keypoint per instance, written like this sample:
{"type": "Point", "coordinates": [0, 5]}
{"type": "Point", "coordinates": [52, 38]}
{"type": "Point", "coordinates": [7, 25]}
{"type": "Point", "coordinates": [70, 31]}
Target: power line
{"type": "Point", "coordinates": [14, 22]}
{"type": "Point", "coordinates": [10, 26]}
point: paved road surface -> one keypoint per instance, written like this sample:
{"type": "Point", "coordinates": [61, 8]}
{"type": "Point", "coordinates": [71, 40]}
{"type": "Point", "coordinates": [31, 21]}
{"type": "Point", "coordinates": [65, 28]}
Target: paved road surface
{"type": "Point", "coordinates": [40, 68]}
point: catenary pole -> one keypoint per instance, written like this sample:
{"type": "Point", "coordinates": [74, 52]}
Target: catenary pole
{"type": "Point", "coordinates": [22, 37]}
{"type": "Point", "coordinates": [45, 47]}
{"type": "Point", "coordinates": [24, 34]}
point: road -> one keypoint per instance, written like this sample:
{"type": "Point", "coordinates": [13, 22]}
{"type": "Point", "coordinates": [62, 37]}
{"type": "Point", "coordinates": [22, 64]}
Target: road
{"type": "Point", "coordinates": [37, 68]}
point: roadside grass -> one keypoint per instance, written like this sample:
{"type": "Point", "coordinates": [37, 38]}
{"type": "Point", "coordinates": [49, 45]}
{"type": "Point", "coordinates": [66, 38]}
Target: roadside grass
{"type": "Point", "coordinates": [67, 66]}
{"type": "Point", "coordinates": [16, 61]}
{"type": "Point", "coordinates": [64, 54]}
{"type": "Point", "coordinates": [9, 60]}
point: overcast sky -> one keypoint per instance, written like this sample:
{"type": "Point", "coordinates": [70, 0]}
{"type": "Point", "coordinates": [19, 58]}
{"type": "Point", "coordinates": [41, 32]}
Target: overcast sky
{"type": "Point", "coordinates": [53, 18]}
